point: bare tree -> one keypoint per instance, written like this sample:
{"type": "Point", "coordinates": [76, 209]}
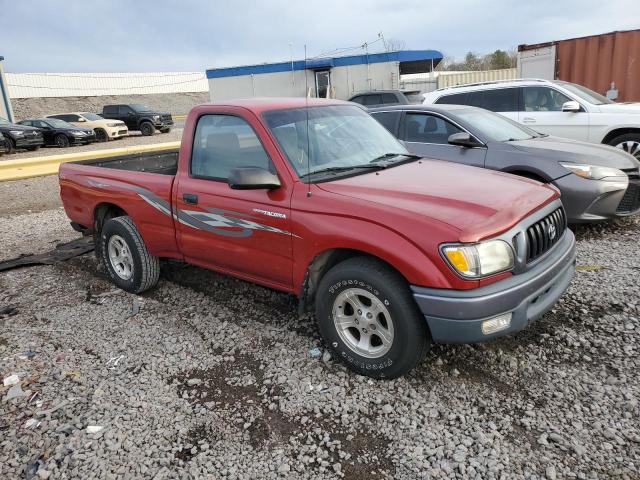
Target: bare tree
{"type": "Point", "coordinates": [393, 45]}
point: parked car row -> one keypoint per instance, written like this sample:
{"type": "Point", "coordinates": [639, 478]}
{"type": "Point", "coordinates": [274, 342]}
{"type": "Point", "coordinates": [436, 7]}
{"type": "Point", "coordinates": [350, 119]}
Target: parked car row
{"type": "Point", "coordinates": [553, 132]}
{"type": "Point", "coordinates": [79, 128]}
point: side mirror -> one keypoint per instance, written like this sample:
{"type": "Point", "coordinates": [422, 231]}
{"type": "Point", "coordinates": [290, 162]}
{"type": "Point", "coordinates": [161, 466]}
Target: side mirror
{"type": "Point", "coordinates": [571, 106]}
{"type": "Point", "coordinates": [463, 139]}
{"type": "Point", "coordinates": [252, 178]}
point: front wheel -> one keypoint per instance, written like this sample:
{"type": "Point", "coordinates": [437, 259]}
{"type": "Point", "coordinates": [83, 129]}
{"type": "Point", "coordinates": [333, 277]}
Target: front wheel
{"type": "Point", "coordinates": [368, 317]}
{"type": "Point", "coordinates": [629, 142]}
{"type": "Point", "coordinates": [10, 145]}
{"type": "Point", "coordinates": [125, 256]}
{"type": "Point", "coordinates": [147, 129]}
{"type": "Point", "coordinates": [62, 141]}
{"type": "Point", "coordinates": [101, 135]}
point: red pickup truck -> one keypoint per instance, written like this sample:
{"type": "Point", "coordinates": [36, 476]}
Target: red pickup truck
{"type": "Point", "coordinates": [315, 198]}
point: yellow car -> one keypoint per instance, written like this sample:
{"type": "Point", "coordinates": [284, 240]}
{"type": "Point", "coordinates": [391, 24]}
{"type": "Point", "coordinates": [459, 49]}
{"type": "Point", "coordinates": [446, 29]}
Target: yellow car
{"type": "Point", "coordinates": [105, 129]}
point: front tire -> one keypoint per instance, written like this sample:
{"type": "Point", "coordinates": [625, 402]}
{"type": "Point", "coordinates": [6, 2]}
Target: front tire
{"type": "Point", "coordinates": [62, 141]}
{"type": "Point", "coordinates": [147, 129]}
{"type": "Point", "coordinates": [369, 319]}
{"type": "Point", "coordinates": [126, 258]}
{"type": "Point", "coordinates": [101, 135]}
{"type": "Point", "coordinates": [629, 142]}
{"type": "Point", "coordinates": [10, 145]}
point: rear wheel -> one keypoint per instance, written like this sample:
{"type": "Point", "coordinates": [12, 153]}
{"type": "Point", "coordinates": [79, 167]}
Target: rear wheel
{"type": "Point", "coordinates": [61, 141]}
{"type": "Point", "coordinates": [125, 256]}
{"type": "Point", "coordinates": [147, 129]}
{"type": "Point", "coordinates": [368, 317]}
{"type": "Point", "coordinates": [101, 135]}
{"type": "Point", "coordinates": [629, 142]}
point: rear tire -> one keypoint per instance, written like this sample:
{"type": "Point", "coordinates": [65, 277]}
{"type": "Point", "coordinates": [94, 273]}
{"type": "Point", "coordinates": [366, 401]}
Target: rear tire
{"type": "Point", "coordinates": [369, 319]}
{"type": "Point", "coordinates": [61, 141]}
{"type": "Point", "coordinates": [125, 256]}
{"type": "Point", "coordinates": [147, 129]}
{"type": "Point", "coordinates": [629, 142]}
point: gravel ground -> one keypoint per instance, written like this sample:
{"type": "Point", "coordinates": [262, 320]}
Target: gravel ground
{"type": "Point", "coordinates": [211, 377]}
{"type": "Point", "coordinates": [134, 138]}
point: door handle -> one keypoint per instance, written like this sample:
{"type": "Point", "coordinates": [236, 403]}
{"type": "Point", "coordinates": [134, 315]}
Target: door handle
{"type": "Point", "coordinates": [528, 120]}
{"type": "Point", "coordinates": [190, 198]}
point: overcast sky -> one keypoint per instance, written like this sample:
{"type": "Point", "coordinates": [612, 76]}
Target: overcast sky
{"type": "Point", "coordinates": [190, 35]}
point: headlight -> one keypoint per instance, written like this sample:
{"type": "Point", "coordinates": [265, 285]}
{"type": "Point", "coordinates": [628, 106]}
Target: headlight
{"type": "Point", "coordinates": [113, 125]}
{"type": "Point", "coordinates": [594, 172]}
{"type": "Point", "coordinates": [156, 118]}
{"type": "Point", "coordinates": [479, 259]}
{"type": "Point", "coordinates": [80, 133]}
{"type": "Point", "coordinates": [16, 132]}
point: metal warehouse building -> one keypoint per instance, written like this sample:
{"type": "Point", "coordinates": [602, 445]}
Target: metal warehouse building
{"type": "Point", "coordinates": [337, 77]}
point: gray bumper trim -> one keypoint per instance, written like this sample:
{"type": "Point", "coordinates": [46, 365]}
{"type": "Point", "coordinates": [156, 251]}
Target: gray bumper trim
{"type": "Point", "coordinates": [456, 316]}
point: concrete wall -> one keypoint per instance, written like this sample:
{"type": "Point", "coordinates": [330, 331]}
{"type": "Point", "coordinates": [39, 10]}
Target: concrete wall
{"type": "Point", "coordinates": [345, 81]}
{"type": "Point", "coordinates": [175, 103]}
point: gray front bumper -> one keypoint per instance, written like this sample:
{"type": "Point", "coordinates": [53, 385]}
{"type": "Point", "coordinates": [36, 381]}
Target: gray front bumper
{"type": "Point", "coordinates": [456, 316]}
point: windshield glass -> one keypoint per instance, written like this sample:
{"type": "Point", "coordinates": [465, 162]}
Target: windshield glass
{"type": "Point", "coordinates": [91, 116]}
{"type": "Point", "coordinates": [585, 93]}
{"type": "Point", "coordinates": [57, 123]}
{"type": "Point", "coordinates": [339, 136]}
{"type": "Point", "coordinates": [495, 127]}
{"type": "Point", "coordinates": [138, 107]}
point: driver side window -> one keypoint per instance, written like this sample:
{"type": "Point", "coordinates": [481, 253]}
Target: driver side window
{"type": "Point", "coordinates": [543, 99]}
{"type": "Point", "coordinates": [425, 128]}
{"type": "Point", "coordinates": [225, 142]}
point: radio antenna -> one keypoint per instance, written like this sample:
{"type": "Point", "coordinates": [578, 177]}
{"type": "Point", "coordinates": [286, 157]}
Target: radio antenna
{"type": "Point", "coordinates": [306, 102]}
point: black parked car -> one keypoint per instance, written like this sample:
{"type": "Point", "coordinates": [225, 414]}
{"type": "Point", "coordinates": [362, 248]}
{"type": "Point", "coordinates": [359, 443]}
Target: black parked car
{"type": "Point", "coordinates": [60, 133]}
{"type": "Point", "coordinates": [377, 98]}
{"type": "Point", "coordinates": [597, 182]}
{"type": "Point", "coordinates": [3, 145]}
{"type": "Point", "coordinates": [139, 117]}
{"type": "Point", "coordinates": [20, 136]}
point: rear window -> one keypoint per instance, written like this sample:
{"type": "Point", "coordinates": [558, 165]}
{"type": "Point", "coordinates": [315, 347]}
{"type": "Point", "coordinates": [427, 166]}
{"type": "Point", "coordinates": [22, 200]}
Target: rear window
{"type": "Point", "coordinates": [389, 98]}
{"type": "Point", "coordinates": [497, 100]}
{"type": "Point", "coordinates": [372, 99]}
{"type": "Point", "coordinates": [111, 109]}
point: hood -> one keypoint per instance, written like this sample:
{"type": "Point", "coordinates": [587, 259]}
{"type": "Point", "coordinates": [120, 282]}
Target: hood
{"type": "Point", "coordinates": [479, 203]}
{"type": "Point", "coordinates": [107, 121]}
{"type": "Point", "coordinates": [564, 149]}
{"type": "Point", "coordinates": [627, 107]}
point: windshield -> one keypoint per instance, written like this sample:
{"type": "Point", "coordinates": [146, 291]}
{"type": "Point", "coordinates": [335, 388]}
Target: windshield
{"type": "Point", "coordinates": [91, 116]}
{"type": "Point", "coordinates": [138, 107]}
{"type": "Point", "coordinates": [495, 127]}
{"type": "Point", "coordinates": [585, 93]}
{"type": "Point", "coordinates": [57, 123]}
{"type": "Point", "coordinates": [339, 137]}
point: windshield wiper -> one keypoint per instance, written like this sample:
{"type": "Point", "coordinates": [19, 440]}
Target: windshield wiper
{"type": "Point", "coordinates": [344, 169]}
{"type": "Point", "coordinates": [393, 155]}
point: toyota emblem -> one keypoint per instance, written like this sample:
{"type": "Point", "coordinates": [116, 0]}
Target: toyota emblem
{"type": "Point", "coordinates": [552, 231]}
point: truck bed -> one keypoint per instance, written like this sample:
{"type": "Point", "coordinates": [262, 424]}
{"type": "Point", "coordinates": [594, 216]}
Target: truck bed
{"type": "Point", "coordinates": [164, 163]}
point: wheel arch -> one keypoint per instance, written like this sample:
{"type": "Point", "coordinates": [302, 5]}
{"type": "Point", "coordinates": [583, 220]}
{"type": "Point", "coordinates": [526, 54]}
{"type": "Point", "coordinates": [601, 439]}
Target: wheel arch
{"type": "Point", "coordinates": [616, 132]}
{"type": "Point", "coordinates": [106, 211]}
{"type": "Point", "coordinates": [322, 263]}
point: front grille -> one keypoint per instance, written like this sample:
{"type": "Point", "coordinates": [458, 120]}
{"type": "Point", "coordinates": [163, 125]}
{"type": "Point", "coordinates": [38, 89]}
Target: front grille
{"type": "Point", "coordinates": [545, 233]}
{"type": "Point", "coordinates": [122, 132]}
{"type": "Point", "coordinates": [631, 199]}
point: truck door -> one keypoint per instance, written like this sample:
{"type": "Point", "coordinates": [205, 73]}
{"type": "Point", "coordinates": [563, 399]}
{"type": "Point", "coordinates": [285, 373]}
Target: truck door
{"type": "Point", "coordinates": [128, 116]}
{"type": "Point", "coordinates": [243, 232]}
{"type": "Point", "coordinates": [427, 135]}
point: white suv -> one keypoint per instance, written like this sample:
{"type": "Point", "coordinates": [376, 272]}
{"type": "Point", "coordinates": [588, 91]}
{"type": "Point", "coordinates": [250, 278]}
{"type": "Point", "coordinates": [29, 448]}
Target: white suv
{"type": "Point", "coordinates": [553, 107]}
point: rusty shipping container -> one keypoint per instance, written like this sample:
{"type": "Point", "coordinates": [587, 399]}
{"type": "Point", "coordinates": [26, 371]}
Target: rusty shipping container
{"type": "Point", "coordinates": [595, 62]}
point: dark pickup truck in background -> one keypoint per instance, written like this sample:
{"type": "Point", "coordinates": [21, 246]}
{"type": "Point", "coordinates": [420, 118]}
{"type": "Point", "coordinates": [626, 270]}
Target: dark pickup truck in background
{"type": "Point", "coordinates": [139, 117]}
{"type": "Point", "coordinates": [316, 198]}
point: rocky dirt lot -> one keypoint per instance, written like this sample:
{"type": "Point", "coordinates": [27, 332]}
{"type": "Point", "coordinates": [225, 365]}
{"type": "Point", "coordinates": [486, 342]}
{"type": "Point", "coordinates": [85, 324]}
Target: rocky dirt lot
{"type": "Point", "coordinates": [211, 377]}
